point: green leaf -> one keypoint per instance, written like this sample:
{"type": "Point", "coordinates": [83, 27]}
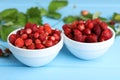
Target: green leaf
{"type": "Point", "coordinates": [89, 16]}
{"type": "Point", "coordinates": [43, 12]}
{"type": "Point", "coordinates": [21, 19]}
{"type": "Point", "coordinates": [33, 12]}
{"type": "Point", "coordinates": [36, 20]}
{"type": "Point", "coordinates": [69, 19]}
{"type": "Point", "coordinates": [96, 15]}
{"type": "Point", "coordinates": [5, 30]}
{"type": "Point", "coordinates": [56, 5]}
{"type": "Point", "coordinates": [9, 14]}
{"type": "Point", "coordinates": [54, 15]}
{"type": "Point", "coordinates": [116, 17]}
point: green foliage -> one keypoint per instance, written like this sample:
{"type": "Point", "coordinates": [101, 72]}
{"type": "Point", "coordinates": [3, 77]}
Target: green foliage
{"type": "Point", "coordinates": [56, 5]}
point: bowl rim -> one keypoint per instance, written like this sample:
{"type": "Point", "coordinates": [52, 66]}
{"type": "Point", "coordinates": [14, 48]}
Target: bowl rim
{"type": "Point", "coordinates": [14, 31]}
{"type": "Point", "coordinates": [113, 35]}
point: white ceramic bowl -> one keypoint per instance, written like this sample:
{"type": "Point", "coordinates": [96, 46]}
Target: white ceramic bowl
{"type": "Point", "coordinates": [88, 51]}
{"type": "Point", "coordinates": [35, 58]}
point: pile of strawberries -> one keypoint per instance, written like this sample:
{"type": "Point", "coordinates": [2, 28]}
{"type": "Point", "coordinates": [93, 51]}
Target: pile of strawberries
{"type": "Point", "coordinates": [34, 36]}
{"type": "Point", "coordinates": [89, 31]}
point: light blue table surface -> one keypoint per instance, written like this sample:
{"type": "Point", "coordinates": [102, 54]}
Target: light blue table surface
{"type": "Point", "coordinates": [65, 66]}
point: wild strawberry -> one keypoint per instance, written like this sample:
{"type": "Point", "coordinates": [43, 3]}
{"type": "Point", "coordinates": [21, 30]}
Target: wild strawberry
{"type": "Point", "coordinates": [43, 36]}
{"type": "Point", "coordinates": [112, 22]}
{"type": "Point", "coordinates": [106, 34]}
{"type": "Point", "coordinates": [74, 24]}
{"type": "Point", "coordinates": [34, 28]}
{"type": "Point", "coordinates": [28, 30]}
{"type": "Point", "coordinates": [37, 41]}
{"type": "Point", "coordinates": [97, 30]}
{"type": "Point", "coordinates": [22, 31]}
{"type": "Point", "coordinates": [103, 25]}
{"type": "Point", "coordinates": [56, 31]}
{"type": "Point", "coordinates": [36, 35]}
{"type": "Point", "coordinates": [91, 38]}
{"type": "Point", "coordinates": [39, 46]}
{"type": "Point", "coordinates": [96, 21]}
{"type": "Point", "coordinates": [31, 46]}
{"type": "Point", "coordinates": [12, 38]}
{"type": "Point", "coordinates": [80, 22]}
{"type": "Point", "coordinates": [52, 38]}
{"type": "Point", "coordinates": [28, 42]}
{"type": "Point", "coordinates": [84, 12]}
{"type": "Point", "coordinates": [28, 25]}
{"type": "Point", "coordinates": [70, 36]}
{"type": "Point", "coordinates": [67, 29]}
{"type": "Point", "coordinates": [48, 43]}
{"type": "Point", "coordinates": [41, 29]}
{"type": "Point", "coordinates": [24, 36]}
{"type": "Point", "coordinates": [55, 42]}
{"type": "Point", "coordinates": [87, 31]}
{"type": "Point", "coordinates": [19, 42]}
{"type": "Point", "coordinates": [47, 28]}
{"type": "Point", "coordinates": [77, 32]}
{"type": "Point", "coordinates": [81, 27]}
{"type": "Point", "coordinates": [90, 25]}
{"type": "Point", "coordinates": [1, 52]}
{"type": "Point", "coordinates": [78, 38]}
{"type": "Point", "coordinates": [57, 37]}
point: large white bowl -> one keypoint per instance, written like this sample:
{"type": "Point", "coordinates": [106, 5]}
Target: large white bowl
{"type": "Point", "coordinates": [88, 51]}
{"type": "Point", "coordinates": [35, 58]}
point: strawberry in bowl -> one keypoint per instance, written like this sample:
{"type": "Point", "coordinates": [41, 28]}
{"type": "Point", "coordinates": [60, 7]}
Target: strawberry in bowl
{"type": "Point", "coordinates": [88, 39]}
{"type": "Point", "coordinates": [35, 45]}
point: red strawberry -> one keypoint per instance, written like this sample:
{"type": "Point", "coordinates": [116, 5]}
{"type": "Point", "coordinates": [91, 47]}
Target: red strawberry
{"type": "Point", "coordinates": [87, 31]}
{"type": "Point", "coordinates": [85, 12]}
{"type": "Point", "coordinates": [37, 41]}
{"type": "Point", "coordinates": [12, 38]}
{"type": "Point", "coordinates": [41, 29]}
{"type": "Point", "coordinates": [57, 37]}
{"type": "Point", "coordinates": [28, 30]}
{"type": "Point", "coordinates": [39, 46]}
{"type": "Point", "coordinates": [97, 30]}
{"type": "Point", "coordinates": [91, 38]}
{"type": "Point", "coordinates": [48, 43]}
{"type": "Point", "coordinates": [77, 32]}
{"type": "Point", "coordinates": [31, 46]}
{"type": "Point", "coordinates": [74, 24]}
{"type": "Point", "coordinates": [24, 36]}
{"type": "Point", "coordinates": [52, 38]}
{"type": "Point", "coordinates": [105, 35]}
{"type": "Point", "coordinates": [56, 31]}
{"type": "Point", "coordinates": [34, 28]}
{"type": "Point", "coordinates": [36, 35]}
{"type": "Point", "coordinates": [103, 25]}
{"type": "Point", "coordinates": [81, 27]}
{"type": "Point", "coordinates": [67, 29]}
{"type": "Point", "coordinates": [79, 38]}
{"type": "Point", "coordinates": [22, 31]}
{"type": "Point", "coordinates": [47, 28]}
{"type": "Point", "coordinates": [43, 36]}
{"type": "Point", "coordinates": [28, 25]}
{"type": "Point", "coordinates": [19, 42]}
{"type": "Point", "coordinates": [28, 42]}
{"type": "Point", "coordinates": [1, 52]}
{"type": "Point", "coordinates": [89, 25]}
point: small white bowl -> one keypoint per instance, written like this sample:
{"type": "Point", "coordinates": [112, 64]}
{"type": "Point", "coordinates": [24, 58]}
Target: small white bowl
{"type": "Point", "coordinates": [88, 51]}
{"type": "Point", "coordinates": [35, 58]}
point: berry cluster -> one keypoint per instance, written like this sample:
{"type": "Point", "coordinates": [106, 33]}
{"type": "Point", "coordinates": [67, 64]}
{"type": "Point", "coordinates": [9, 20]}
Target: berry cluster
{"type": "Point", "coordinates": [89, 31]}
{"type": "Point", "coordinates": [4, 53]}
{"type": "Point", "coordinates": [34, 36]}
